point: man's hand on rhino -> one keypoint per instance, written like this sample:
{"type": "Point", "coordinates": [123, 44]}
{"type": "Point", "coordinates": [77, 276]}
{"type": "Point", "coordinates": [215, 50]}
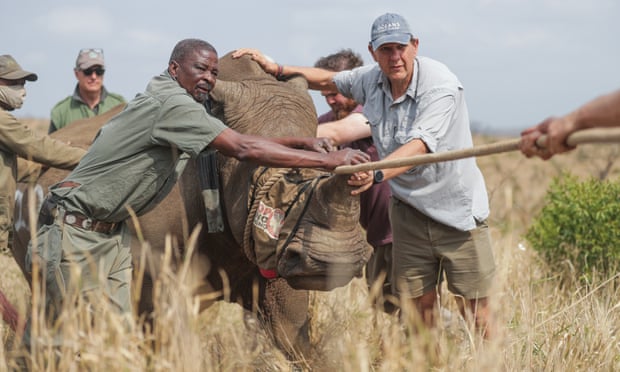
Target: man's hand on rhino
{"type": "Point", "coordinates": [322, 144]}
{"type": "Point", "coordinates": [346, 157]}
{"type": "Point", "coordinates": [268, 65]}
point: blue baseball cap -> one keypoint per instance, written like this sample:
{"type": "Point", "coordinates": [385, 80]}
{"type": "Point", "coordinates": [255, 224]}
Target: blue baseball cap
{"type": "Point", "coordinates": [389, 28]}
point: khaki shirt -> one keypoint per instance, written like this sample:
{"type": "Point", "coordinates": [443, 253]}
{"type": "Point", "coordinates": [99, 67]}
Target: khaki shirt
{"type": "Point", "coordinates": [16, 139]}
{"type": "Point", "coordinates": [138, 155]}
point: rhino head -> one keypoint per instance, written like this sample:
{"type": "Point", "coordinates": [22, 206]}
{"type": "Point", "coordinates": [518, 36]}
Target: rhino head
{"type": "Point", "coordinates": [324, 246]}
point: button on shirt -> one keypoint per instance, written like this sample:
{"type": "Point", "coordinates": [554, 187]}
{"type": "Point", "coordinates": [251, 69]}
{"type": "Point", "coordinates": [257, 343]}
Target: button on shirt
{"type": "Point", "coordinates": [138, 155]}
{"type": "Point", "coordinates": [434, 111]}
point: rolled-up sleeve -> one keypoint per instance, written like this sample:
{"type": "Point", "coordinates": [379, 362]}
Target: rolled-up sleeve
{"type": "Point", "coordinates": [354, 83]}
{"type": "Point", "coordinates": [434, 118]}
{"type": "Point", "coordinates": [187, 127]}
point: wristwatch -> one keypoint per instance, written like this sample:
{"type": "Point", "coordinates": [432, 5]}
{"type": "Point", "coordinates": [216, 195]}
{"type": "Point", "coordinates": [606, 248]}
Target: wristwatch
{"type": "Point", "coordinates": [378, 176]}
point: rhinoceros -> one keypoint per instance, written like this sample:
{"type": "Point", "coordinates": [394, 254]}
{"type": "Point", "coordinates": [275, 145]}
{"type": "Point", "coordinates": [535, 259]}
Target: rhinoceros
{"type": "Point", "coordinates": [320, 244]}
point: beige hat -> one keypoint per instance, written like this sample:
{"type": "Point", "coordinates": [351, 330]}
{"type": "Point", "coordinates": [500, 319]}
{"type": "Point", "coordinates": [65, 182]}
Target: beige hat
{"type": "Point", "coordinates": [11, 70]}
{"type": "Point", "coordinates": [88, 58]}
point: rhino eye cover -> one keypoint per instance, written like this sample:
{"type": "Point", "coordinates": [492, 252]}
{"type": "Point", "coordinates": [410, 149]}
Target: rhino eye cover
{"type": "Point", "coordinates": [278, 204]}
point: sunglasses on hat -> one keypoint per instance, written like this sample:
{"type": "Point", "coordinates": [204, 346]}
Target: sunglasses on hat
{"type": "Point", "coordinates": [95, 50]}
{"type": "Point", "coordinates": [97, 70]}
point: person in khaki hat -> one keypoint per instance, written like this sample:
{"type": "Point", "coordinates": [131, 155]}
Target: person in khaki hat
{"type": "Point", "coordinates": [16, 139]}
{"type": "Point", "coordinates": [416, 105]}
{"type": "Point", "coordinates": [90, 96]}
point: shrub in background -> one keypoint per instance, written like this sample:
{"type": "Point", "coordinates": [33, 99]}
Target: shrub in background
{"type": "Point", "coordinates": [579, 224]}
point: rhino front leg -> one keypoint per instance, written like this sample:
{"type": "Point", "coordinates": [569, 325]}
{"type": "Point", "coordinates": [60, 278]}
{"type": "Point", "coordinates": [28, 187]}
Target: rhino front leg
{"type": "Point", "coordinates": [285, 310]}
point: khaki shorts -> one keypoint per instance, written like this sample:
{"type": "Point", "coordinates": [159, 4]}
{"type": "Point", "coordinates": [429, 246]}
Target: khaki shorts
{"type": "Point", "coordinates": [424, 250]}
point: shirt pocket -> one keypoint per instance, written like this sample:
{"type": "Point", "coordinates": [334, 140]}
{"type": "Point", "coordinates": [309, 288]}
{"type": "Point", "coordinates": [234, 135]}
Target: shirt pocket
{"type": "Point", "coordinates": [374, 118]}
{"type": "Point", "coordinates": [405, 129]}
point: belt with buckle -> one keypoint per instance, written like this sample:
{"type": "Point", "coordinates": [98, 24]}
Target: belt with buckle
{"type": "Point", "coordinates": [83, 222]}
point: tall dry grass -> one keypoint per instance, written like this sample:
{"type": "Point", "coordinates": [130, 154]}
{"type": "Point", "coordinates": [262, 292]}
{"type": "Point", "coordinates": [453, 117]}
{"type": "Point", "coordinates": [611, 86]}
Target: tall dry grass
{"type": "Point", "coordinates": [539, 326]}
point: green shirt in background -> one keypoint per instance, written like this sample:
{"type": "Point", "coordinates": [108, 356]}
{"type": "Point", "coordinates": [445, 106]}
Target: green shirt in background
{"type": "Point", "coordinates": [73, 108]}
{"type": "Point", "coordinates": [138, 155]}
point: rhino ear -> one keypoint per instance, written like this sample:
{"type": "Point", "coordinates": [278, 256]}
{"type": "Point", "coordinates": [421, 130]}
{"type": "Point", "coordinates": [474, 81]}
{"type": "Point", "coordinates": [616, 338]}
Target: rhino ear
{"type": "Point", "coordinates": [226, 96]}
{"type": "Point", "coordinates": [220, 91]}
{"type": "Point", "coordinates": [298, 82]}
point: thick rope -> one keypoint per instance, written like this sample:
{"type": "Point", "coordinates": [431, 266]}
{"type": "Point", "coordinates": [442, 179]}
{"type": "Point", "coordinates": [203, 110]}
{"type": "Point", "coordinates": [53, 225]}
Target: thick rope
{"type": "Point", "coordinates": [247, 232]}
{"type": "Point", "coordinates": [596, 135]}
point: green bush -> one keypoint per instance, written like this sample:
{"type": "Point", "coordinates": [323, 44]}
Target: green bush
{"type": "Point", "coordinates": [579, 224]}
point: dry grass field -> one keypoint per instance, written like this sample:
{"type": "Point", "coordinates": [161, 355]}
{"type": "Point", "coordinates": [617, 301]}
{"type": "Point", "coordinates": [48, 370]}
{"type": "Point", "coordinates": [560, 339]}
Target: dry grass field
{"type": "Point", "coordinates": [539, 327]}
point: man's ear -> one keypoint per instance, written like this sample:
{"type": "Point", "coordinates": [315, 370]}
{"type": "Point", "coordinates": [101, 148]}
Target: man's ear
{"type": "Point", "coordinates": [173, 66]}
{"type": "Point", "coordinates": [372, 52]}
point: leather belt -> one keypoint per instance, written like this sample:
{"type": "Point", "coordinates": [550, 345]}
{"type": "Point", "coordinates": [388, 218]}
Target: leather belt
{"type": "Point", "coordinates": [69, 184]}
{"type": "Point", "coordinates": [83, 222]}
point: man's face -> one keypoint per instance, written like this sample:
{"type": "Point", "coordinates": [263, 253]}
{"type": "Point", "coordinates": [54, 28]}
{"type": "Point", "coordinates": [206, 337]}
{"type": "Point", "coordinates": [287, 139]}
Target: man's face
{"type": "Point", "coordinates": [90, 80]}
{"type": "Point", "coordinates": [197, 73]}
{"type": "Point", "coordinates": [341, 106]}
{"type": "Point", "coordinates": [396, 60]}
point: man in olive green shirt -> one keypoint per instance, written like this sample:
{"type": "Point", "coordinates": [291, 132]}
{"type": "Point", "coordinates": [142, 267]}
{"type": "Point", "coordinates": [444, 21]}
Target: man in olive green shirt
{"type": "Point", "coordinates": [135, 166]}
{"type": "Point", "coordinates": [16, 139]}
{"type": "Point", "coordinates": [90, 97]}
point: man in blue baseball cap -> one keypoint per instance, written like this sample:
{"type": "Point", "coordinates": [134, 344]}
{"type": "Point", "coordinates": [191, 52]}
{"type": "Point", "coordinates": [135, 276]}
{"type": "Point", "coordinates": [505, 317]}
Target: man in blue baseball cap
{"type": "Point", "coordinates": [416, 105]}
{"type": "Point", "coordinates": [390, 28]}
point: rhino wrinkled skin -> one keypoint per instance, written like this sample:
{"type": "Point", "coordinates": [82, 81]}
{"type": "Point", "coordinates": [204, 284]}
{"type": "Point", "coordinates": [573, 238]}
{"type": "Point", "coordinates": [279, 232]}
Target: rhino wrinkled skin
{"type": "Point", "coordinates": [252, 102]}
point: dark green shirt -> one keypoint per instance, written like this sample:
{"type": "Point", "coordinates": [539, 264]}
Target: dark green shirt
{"type": "Point", "coordinates": [74, 108]}
{"type": "Point", "coordinates": [138, 155]}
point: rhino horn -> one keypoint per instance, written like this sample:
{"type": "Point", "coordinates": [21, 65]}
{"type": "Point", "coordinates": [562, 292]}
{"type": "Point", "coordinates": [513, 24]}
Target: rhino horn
{"type": "Point", "coordinates": [335, 205]}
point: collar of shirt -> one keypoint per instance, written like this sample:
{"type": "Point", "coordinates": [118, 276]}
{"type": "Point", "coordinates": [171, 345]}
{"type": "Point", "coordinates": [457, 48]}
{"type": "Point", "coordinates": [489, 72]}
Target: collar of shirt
{"type": "Point", "coordinates": [76, 95]}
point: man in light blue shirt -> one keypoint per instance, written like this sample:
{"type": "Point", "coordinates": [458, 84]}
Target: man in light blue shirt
{"type": "Point", "coordinates": [416, 105]}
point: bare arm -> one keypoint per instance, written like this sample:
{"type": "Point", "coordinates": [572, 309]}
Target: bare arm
{"type": "Point", "coordinates": [321, 144]}
{"type": "Point", "coordinates": [351, 128]}
{"type": "Point", "coordinates": [318, 78]}
{"type": "Point", "coordinates": [266, 151]}
{"type": "Point", "coordinates": [363, 180]}
{"type": "Point", "coordinates": [603, 111]}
